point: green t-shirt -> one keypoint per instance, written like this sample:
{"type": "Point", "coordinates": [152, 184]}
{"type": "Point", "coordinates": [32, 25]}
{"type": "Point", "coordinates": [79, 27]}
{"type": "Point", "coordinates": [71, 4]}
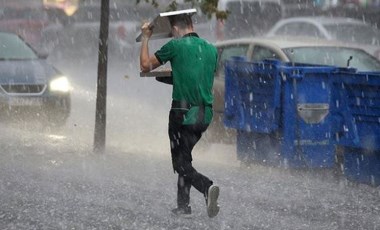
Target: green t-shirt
{"type": "Point", "coordinates": [193, 61]}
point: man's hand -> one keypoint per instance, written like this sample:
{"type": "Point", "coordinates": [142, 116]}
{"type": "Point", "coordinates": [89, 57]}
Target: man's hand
{"type": "Point", "coordinates": [146, 30]}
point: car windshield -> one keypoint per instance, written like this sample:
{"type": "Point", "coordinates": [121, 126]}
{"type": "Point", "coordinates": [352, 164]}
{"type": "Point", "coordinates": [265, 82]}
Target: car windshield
{"type": "Point", "coordinates": [14, 48]}
{"type": "Point", "coordinates": [336, 56]}
{"type": "Point", "coordinates": [354, 33]}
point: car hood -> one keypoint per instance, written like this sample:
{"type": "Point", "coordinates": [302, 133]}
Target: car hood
{"type": "Point", "coordinates": [26, 72]}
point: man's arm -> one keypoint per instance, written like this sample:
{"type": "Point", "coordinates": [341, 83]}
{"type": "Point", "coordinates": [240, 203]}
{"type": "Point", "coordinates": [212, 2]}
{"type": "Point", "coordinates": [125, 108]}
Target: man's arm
{"type": "Point", "coordinates": [147, 63]}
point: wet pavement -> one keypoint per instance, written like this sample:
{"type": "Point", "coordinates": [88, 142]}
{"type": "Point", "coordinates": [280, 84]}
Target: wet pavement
{"type": "Point", "coordinates": [52, 180]}
{"type": "Point", "coordinates": [47, 182]}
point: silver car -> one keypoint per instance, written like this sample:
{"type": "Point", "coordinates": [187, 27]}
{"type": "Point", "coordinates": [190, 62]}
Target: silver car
{"type": "Point", "coordinates": [341, 29]}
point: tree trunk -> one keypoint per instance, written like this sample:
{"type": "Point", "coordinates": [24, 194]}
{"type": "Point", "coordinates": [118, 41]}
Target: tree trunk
{"type": "Point", "coordinates": [101, 96]}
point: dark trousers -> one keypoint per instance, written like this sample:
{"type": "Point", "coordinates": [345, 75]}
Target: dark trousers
{"type": "Point", "coordinates": [182, 141]}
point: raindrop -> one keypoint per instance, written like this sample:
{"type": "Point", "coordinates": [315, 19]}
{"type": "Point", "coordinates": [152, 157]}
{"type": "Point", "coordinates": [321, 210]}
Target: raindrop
{"type": "Point", "coordinates": [337, 138]}
{"type": "Point", "coordinates": [358, 101]}
{"type": "Point", "coordinates": [286, 163]}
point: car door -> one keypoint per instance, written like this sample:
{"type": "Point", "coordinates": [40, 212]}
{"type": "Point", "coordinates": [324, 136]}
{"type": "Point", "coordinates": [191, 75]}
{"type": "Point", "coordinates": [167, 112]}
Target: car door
{"type": "Point", "coordinates": [225, 53]}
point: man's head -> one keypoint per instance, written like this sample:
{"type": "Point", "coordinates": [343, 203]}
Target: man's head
{"type": "Point", "coordinates": [181, 24]}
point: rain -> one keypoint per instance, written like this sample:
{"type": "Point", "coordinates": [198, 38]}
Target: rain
{"type": "Point", "coordinates": [50, 177]}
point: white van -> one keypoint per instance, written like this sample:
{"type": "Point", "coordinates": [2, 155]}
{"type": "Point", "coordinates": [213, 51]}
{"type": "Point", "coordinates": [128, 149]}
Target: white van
{"type": "Point", "coordinates": [247, 18]}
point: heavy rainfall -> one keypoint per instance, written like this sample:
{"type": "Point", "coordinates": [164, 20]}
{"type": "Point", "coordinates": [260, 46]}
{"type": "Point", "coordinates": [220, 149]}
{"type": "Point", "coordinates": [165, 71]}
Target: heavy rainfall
{"type": "Point", "coordinates": [50, 177]}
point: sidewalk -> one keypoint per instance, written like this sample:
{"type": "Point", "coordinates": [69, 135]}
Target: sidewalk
{"type": "Point", "coordinates": [60, 186]}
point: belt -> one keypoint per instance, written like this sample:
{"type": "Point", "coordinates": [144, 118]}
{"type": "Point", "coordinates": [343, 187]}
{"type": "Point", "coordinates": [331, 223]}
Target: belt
{"type": "Point", "coordinates": [181, 105]}
{"type": "Point", "coordinates": [184, 105]}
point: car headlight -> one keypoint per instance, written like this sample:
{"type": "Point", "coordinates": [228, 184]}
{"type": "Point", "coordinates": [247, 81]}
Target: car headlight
{"type": "Point", "coordinates": [60, 84]}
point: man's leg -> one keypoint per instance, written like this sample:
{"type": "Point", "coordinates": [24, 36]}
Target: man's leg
{"type": "Point", "coordinates": [199, 181]}
{"type": "Point", "coordinates": [190, 135]}
{"type": "Point", "coordinates": [183, 140]}
{"type": "Point", "coordinates": [183, 183]}
{"type": "Point", "coordinates": [183, 192]}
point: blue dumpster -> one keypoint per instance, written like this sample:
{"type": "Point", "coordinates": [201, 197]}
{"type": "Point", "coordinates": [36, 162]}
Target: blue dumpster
{"type": "Point", "coordinates": [356, 107]}
{"type": "Point", "coordinates": [356, 110]}
{"type": "Point", "coordinates": [252, 101]}
{"type": "Point", "coordinates": [281, 112]}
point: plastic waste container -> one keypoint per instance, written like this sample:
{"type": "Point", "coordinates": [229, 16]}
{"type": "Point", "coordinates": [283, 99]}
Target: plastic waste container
{"type": "Point", "coordinates": [281, 112]}
{"type": "Point", "coordinates": [356, 107]}
{"type": "Point", "coordinates": [356, 110]}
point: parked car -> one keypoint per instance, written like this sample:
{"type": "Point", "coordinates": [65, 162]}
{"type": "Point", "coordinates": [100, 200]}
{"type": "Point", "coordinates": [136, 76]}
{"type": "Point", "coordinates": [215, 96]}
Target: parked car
{"type": "Point", "coordinates": [29, 85]}
{"type": "Point", "coordinates": [26, 20]}
{"type": "Point", "coordinates": [319, 52]}
{"type": "Point", "coordinates": [342, 29]}
{"type": "Point", "coordinates": [80, 32]}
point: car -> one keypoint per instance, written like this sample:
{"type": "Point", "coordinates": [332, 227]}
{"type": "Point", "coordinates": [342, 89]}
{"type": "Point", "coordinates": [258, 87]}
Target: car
{"type": "Point", "coordinates": [29, 86]}
{"type": "Point", "coordinates": [348, 30]}
{"type": "Point", "coordinates": [286, 49]}
{"type": "Point", "coordinates": [80, 32]}
{"type": "Point", "coordinates": [25, 19]}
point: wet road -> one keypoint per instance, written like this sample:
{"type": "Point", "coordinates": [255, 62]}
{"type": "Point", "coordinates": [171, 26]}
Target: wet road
{"type": "Point", "coordinates": [52, 180]}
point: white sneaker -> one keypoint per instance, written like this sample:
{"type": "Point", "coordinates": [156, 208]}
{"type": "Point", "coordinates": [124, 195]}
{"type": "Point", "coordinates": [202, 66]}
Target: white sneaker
{"type": "Point", "coordinates": [212, 201]}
